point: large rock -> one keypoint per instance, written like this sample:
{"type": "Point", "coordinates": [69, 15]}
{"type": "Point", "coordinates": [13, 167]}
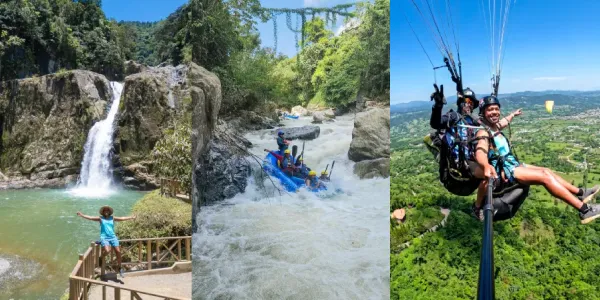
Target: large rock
{"type": "Point", "coordinates": [206, 102]}
{"type": "Point", "coordinates": [133, 67]}
{"type": "Point", "coordinates": [251, 121]}
{"type": "Point", "coordinates": [373, 168]}
{"type": "Point", "coordinates": [138, 176]}
{"type": "Point", "coordinates": [300, 111]}
{"type": "Point", "coordinates": [151, 100]}
{"type": "Point", "coordinates": [329, 113]}
{"type": "Point", "coordinates": [371, 135]}
{"type": "Point", "coordinates": [222, 171]}
{"type": "Point", "coordinates": [318, 117]}
{"type": "Point", "coordinates": [44, 122]}
{"type": "Point", "coordinates": [308, 132]}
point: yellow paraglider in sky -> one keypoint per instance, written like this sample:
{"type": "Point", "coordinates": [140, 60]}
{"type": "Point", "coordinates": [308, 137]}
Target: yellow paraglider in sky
{"type": "Point", "coordinates": [549, 105]}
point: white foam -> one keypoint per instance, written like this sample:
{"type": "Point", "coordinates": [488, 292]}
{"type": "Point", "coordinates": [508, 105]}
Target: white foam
{"type": "Point", "coordinates": [96, 174]}
{"type": "Point", "coordinates": [260, 245]}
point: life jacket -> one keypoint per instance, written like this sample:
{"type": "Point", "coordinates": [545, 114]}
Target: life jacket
{"type": "Point", "coordinates": [287, 162]}
{"type": "Point", "coordinates": [313, 181]}
{"type": "Point", "coordinates": [281, 144]}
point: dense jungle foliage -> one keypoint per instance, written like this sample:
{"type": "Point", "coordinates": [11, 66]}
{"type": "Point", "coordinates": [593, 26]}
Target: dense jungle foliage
{"type": "Point", "coordinates": [542, 253]}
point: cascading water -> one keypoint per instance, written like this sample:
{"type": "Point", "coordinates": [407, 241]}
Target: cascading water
{"type": "Point", "coordinates": [95, 177]}
{"type": "Point", "coordinates": [260, 245]}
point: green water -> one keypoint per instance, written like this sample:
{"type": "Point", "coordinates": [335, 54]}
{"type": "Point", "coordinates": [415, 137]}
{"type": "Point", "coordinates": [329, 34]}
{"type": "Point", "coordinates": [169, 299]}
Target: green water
{"type": "Point", "coordinates": [41, 238]}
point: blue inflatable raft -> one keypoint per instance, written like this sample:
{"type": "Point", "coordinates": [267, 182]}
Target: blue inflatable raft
{"type": "Point", "coordinates": [291, 184]}
{"type": "Point", "coordinates": [285, 115]}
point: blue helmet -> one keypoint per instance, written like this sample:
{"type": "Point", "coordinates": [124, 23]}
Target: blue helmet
{"type": "Point", "coordinates": [280, 132]}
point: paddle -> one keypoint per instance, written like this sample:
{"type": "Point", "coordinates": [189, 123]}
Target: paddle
{"type": "Point", "coordinates": [301, 153]}
{"type": "Point", "coordinates": [326, 167]}
{"type": "Point", "coordinates": [294, 150]}
{"type": "Point", "coordinates": [333, 164]}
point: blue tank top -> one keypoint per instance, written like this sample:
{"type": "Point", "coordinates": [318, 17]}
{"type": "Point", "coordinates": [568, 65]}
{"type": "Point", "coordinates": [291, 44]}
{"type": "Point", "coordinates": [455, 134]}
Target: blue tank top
{"type": "Point", "coordinates": [502, 146]}
{"type": "Point", "coordinates": [503, 150]}
{"type": "Point", "coordinates": [107, 228]}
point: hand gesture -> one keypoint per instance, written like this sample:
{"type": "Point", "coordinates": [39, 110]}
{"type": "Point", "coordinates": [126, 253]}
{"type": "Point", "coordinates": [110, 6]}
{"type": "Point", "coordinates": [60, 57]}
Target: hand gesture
{"type": "Point", "coordinates": [438, 95]}
{"type": "Point", "coordinates": [79, 214]}
{"type": "Point", "coordinates": [518, 112]}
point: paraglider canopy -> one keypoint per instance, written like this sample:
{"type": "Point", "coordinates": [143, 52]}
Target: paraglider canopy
{"type": "Point", "coordinates": [549, 106]}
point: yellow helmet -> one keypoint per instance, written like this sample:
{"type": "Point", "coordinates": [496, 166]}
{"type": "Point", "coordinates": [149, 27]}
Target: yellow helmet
{"type": "Point", "coordinates": [300, 159]}
{"type": "Point", "coordinates": [312, 173]}
{"type": "Point", "coordinates": [324, 173]}
{"type": "Point", "coordinates": [287, 151]}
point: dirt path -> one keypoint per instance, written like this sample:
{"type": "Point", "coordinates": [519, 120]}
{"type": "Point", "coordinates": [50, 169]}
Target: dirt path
{"type": "Point", "coordinates": [568, 158]}
{"type": "Point", "coordinates": [176, 285]}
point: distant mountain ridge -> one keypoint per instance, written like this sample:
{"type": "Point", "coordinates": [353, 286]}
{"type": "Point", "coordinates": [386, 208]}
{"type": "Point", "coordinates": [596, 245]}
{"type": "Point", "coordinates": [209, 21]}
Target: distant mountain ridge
{"type": "Point", "coordinates": [536, 96]}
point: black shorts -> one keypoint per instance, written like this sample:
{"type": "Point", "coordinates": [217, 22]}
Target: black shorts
{"type": "Point", "coordinates": [507, 205]}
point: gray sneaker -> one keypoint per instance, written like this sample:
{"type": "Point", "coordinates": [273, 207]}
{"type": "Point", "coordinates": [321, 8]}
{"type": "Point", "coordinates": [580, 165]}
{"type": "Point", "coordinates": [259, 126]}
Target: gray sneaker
{"type": "Point", "coordinates": [589, 194]}
{"type": "Point", "coordinates": [477, 213]}
{"type": "Point", "coordinates": [591, 214]}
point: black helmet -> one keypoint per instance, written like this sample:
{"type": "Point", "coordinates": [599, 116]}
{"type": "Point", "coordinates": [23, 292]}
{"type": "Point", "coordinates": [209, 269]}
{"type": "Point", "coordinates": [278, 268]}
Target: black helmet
{"type": "Point", "coordinates": [469, 94]}
{"type": "Point", "coordinates": [487, 101]}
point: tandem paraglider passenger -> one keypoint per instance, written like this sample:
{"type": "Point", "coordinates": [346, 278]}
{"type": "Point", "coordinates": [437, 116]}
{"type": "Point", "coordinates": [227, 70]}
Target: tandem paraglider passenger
{"type": "Point", "coordinates": [494, 154]}
{"type": "Point", "coordinates": [108, 238]}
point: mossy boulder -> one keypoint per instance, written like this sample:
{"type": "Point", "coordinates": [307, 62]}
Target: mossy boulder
{"type": "Point", "coordinates": [157, 216]}
{"type": "Point", "coordinates": [44, 122]}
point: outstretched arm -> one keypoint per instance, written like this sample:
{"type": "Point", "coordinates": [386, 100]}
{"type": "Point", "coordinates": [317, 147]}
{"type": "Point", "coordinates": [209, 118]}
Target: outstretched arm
{"type": "Point", "coordinates": [125, 218]}
{"type": "Point", "coordinates": [88, 217]}
{"type": "Point", "coordinates": [279, 157]}
{"type": "Point", "coordinates": [506, 120]}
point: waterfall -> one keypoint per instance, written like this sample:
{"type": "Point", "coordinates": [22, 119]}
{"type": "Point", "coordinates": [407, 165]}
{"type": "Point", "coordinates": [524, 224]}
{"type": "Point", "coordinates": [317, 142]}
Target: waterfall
{"type": "Point", "coordinates": [96, 173]}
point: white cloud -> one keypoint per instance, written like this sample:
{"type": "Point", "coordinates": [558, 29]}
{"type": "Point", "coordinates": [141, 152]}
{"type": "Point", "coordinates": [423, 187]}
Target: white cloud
{"type": "Point", "coordinates": [550, 78]}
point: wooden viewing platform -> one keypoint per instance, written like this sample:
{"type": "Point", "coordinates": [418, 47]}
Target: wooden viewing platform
{"type": "Point", "coordinates": [149, 262]}
{"type": "Point", "coordinates": [172, 188]}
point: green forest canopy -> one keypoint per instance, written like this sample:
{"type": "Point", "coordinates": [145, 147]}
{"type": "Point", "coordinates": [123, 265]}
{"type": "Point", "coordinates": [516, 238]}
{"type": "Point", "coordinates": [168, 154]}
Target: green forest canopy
{"type": "Point", "coordinates": [542, 253]}
{"type": "Point", "coordinates": [41, 36]}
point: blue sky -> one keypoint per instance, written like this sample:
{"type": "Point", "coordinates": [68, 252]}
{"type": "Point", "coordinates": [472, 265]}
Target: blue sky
{"type": "Point", "coordinates": [155, 10]}
{"type": "Point", "coordinates": [140, 10]}
{"type": "Point", "coordinates": [550, 44]}
{"type": "Point", "coordinates": [286, 40]}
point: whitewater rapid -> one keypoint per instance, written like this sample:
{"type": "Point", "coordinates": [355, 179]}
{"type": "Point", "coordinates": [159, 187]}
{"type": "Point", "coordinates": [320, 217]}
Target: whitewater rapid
{"type": "Point", "coordinates": [260, 245]}
{"type": "Point", "coordinates": [96, 175]}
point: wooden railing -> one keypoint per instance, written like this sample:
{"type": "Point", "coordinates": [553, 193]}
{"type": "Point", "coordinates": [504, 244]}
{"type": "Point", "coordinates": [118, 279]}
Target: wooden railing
{"type": "Point", "coordinates": [171, 188]}
{"type": "Point", "coordinates": [137, 255]}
